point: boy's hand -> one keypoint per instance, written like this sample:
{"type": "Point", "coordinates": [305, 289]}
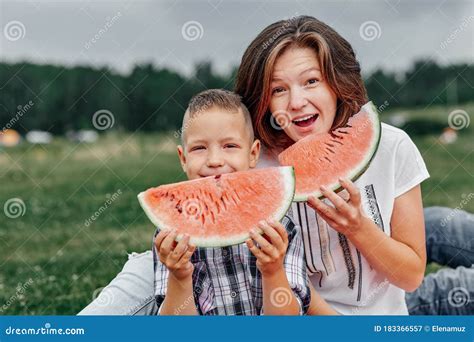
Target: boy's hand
{"type": "Point", "coordinates": [175, 256]}
{"type": "Point", "coordinates": [272, 246]}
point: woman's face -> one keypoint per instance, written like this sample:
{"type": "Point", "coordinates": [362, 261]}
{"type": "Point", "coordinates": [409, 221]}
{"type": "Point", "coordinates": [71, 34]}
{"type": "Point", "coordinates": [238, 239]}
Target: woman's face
{"type": "Point", "coordinates": [301, 102]}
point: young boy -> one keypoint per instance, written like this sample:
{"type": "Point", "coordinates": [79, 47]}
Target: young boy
{"type": "Point", "coordinates": [265, 275]}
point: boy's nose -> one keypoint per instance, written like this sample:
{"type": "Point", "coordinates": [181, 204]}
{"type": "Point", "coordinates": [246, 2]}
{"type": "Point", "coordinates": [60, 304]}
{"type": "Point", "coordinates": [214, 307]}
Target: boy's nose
{"type": "Point", "coordinates": [214, 159]}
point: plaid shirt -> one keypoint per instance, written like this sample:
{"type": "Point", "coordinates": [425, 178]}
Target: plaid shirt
{"type": "Point", "coordinates": [226, 280]}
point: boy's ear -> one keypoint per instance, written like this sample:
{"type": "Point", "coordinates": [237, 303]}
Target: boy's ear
{"type": "Point", "coordinates": [182, 157]}
{"type": "Point", "coordinates": [254, 153]}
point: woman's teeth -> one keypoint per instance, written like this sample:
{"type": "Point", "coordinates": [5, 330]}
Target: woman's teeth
{"type": "Point", "coordinates": [306, 120]}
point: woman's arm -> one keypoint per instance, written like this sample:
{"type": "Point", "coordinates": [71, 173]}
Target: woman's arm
{"type": "Point", "coordinates": [401, 258]}
{"type": "Point", "coordinates": [318, 306]}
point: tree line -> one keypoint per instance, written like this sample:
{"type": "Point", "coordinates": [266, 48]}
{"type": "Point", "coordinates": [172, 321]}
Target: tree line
{"type": "Point", "coordinates": [59, 98]}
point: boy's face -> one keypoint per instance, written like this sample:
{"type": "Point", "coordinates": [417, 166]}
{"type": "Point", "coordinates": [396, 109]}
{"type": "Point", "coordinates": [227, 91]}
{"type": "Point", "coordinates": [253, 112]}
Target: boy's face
{"type": "Point", "coordinates": [217, 142]}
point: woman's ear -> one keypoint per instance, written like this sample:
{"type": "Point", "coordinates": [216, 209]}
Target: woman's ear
{"type": "Point", "coordinates": [254, 153]}
{"type": "Point", "coordinates": [182, 157]}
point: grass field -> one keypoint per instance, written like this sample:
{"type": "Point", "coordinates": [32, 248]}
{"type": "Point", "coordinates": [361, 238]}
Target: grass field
{"type": "Point", "coordinates": [55, 256]}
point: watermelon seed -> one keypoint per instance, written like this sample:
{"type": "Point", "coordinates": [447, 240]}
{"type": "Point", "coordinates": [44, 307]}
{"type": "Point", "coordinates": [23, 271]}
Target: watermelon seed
{"type": "Point", "coordinates": [223, 202]}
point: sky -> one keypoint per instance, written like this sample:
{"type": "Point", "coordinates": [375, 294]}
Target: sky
{"type": "Point", "coordinates": [178, 34]}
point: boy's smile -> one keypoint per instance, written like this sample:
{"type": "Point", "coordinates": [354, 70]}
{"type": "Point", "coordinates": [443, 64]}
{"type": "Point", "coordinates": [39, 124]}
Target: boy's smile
{"type": "Point", "coordinates": [215, 142]}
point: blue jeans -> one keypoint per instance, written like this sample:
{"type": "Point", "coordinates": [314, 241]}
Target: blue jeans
{"type": "Point", "coordinates": [449, 241]}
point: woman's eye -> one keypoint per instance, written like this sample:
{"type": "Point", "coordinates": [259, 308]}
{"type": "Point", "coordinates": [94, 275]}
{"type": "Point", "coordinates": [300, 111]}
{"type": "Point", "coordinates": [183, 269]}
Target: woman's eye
{"type": "Point", "coordinates": [313, 81]}
{"type": "Point", "coordinates": [277, 90]}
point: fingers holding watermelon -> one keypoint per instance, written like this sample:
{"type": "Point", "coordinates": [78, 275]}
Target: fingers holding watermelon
{"type": "Point", "coordinates": [174, 255]}
{"type": "Point", "coordinates": [346, 216]}
{"type": "Point", "coordinates": [269, 247]}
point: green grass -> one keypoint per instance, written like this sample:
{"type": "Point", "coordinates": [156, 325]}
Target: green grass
{"type": "Point", "coordinates": [64, 184]}
{"type": "Point", "coordinates": [451, 167]}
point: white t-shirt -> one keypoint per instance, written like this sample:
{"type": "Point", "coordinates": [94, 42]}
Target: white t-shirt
{"type": "Point", "coordinates": [338, 271]}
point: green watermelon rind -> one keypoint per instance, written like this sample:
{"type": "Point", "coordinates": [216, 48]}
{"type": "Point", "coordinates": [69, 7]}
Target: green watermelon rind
{"type": "Point", "coordinates": [215, 241]}
{"type": "Point", "coordinates": [370, 108]}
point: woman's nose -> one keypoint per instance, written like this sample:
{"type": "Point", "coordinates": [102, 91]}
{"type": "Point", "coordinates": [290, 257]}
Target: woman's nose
{"type": "Point", "coordinates": [297, 99]}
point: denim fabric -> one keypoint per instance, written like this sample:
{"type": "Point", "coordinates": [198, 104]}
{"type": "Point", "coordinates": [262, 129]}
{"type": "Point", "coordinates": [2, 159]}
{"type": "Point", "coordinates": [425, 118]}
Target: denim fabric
{"type": "Point", "coordinates": [130, 292]}
{"type": "Point", "coordinates": [449, 241]}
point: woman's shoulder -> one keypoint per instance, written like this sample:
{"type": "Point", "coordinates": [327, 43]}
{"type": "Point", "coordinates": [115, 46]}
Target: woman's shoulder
{"type": "Point", "coordinates": [395, 142]}
{"type": "Point", "coordinates": [392, 136]}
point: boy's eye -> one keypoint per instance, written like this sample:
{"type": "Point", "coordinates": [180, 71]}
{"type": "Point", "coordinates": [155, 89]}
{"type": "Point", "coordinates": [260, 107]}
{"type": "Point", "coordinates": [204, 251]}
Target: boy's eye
{"type": "Point", "coordinates": [196, 148]}
{"type": "Point", "coordinates": [231, 146]}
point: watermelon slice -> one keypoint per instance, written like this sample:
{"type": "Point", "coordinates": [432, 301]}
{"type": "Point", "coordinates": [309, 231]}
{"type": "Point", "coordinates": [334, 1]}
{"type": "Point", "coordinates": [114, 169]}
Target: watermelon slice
{"type": "Point", "coordinates": [220, 210]}
{"type": "Point", "coordinates": [346, 152]}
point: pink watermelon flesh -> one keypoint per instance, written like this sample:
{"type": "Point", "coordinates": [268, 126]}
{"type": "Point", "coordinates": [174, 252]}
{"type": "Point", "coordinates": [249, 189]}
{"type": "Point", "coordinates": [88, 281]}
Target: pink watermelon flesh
{"type": "Point", "coordinates": [221, 210]}
{"type": "Point", "coordinates": [346, 152]}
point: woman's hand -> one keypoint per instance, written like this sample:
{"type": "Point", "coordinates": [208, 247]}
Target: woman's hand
{"type": "Point", "coordinates": [272, 246]}
{"type": "Point", "coordinates": [175, 256]}
{"type": "Point", "coordinates": [347, 216]}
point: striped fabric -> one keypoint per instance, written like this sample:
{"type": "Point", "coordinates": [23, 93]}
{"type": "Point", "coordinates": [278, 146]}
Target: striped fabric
{"type": "Point", "coordinates": [227, 282]}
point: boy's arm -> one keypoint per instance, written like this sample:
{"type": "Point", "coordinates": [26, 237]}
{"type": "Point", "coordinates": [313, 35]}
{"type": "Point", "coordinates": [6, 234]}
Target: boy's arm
{"type": "Point", "coordinates": [179, 299]}
{"type": "Point", "coordinates": [278, 296]}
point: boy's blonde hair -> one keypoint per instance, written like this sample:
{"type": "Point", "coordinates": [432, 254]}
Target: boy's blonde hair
{"type": "Point", "coordinates": [223, 99]}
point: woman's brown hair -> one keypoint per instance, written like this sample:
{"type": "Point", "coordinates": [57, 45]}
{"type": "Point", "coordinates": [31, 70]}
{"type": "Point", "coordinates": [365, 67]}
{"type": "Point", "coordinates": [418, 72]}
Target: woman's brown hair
{"type": "Point", "coordinates": [337, 60]}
